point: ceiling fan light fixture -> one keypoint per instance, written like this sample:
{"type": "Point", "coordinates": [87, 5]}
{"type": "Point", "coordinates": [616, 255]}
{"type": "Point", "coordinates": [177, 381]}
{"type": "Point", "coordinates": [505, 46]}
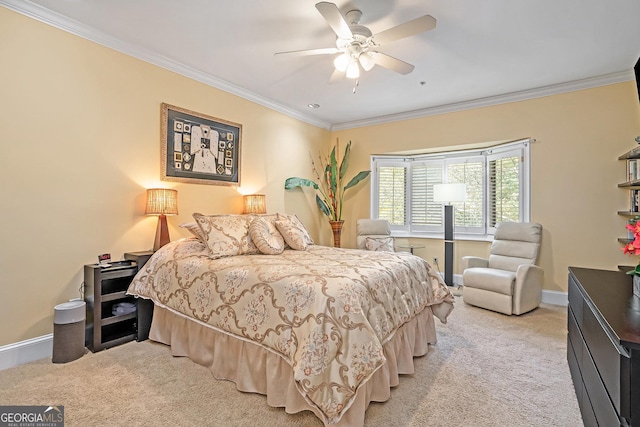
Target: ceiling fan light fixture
{"type": "Point", "coordinates": [355, 43]}
{"type": "Point", "coordinates": [342, 62]}
{"type": "Point", "coordinates": [353, 70]}
{"type": "Point", "coordinates": [366, 61]}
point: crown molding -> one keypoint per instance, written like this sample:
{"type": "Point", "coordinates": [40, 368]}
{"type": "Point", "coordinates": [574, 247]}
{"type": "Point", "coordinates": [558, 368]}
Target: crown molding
{"type": "Point", "coordinates": [79, 29]}
{"type": "Point", "coordinates": [539, 92]}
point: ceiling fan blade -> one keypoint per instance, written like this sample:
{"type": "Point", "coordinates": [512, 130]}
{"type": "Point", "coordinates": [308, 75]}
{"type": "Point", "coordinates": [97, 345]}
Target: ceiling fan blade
{"type": "Point", "coordinates": [410, 28]}
{"type": "Point", "coordinates": [334, 18]}
{"type": "Point", "coordinates": [305, 52]}
{"type": "Point", "coordinates": [392, 63]}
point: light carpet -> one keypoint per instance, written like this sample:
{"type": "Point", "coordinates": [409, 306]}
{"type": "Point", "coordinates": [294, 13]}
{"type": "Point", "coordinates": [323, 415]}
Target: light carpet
{"type": "Point", "coordinates": [487, 369]}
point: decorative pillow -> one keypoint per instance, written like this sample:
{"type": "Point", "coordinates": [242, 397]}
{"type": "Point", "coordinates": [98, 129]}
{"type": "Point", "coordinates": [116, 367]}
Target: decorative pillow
{"type": "Point", "coordinates": [226, 235]}
{"type": "Point", "coordinates": [271, 221]}
{"type": "Point", "coordinates": [268, 242]}
{"type": "Point", "coordinates": [293, 232]}
{"type": "Point", "coordinates": [194, 229]}
{"type": "Point", "coordinates": [379, 244]}
{"type": "Point", "coordinates": [297, 224]}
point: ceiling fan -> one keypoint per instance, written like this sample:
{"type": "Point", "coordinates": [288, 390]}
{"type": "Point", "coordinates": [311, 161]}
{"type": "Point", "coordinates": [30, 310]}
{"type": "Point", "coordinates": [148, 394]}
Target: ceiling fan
{"type": "Point", "coordinates": [357, 45]}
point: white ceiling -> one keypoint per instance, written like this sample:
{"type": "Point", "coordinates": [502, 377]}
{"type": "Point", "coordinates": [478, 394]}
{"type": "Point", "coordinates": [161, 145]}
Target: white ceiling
{"type": "Point", "coordinates": [481, 52]}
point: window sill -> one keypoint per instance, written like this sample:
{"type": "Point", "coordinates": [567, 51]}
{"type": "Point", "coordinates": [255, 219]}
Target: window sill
{"type": "Point", "coordinates": [439, 236]}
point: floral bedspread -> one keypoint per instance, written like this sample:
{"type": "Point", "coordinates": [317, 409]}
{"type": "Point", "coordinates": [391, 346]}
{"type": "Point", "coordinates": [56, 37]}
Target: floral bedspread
{"type": "Point", "coordinates": [326, 311]}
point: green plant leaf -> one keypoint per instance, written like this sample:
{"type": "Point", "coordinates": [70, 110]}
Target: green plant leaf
{"type": "Point", "coordinates": [333, 174]}
{"type": "Point", "coordinates": [345, 161]}
{"type": "Point", "coordinates": [323, 206]}
{"type": "Point", "coordinates": [356, 179]}
{"type": "Point", "coordinates": [294, 182]}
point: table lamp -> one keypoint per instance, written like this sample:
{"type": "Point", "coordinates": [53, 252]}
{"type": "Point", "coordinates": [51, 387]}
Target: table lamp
{"type": "Point", "coordinates": [447, 194]}
{"type": "Point", "coordinates": [161, 202]}
{"type": "Point", "coordinates": [255, 204]}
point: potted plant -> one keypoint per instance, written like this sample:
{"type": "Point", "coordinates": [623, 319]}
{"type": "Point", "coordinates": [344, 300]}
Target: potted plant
{"type": "Point", "coordinates": [633, 248]}
{"type": "Point", "coordinates": [330, 186]}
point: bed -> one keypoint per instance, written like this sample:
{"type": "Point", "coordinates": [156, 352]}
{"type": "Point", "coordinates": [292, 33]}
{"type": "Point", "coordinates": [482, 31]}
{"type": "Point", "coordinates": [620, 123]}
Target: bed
{"type": "Point", "coordinates": [311, 327]}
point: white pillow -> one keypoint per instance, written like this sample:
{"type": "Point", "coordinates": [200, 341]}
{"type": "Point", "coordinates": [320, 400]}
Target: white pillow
{"type": "Point", "coordinates": [379, 244]}
{"type": "Point", "coordinates": [268, 242]}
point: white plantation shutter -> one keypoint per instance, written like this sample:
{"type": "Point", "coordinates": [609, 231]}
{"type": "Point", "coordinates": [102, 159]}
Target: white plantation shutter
{"type": "Point", "coordinates": [426, 215]}
{"type": "Point", "coordinates": [468, 215]}
{"type": "Point", "coordinates": [505, 183]}
{"type": "Point", "coordinates": [392, 186]}
{"type": "Point", "coordinates": [497, 185]}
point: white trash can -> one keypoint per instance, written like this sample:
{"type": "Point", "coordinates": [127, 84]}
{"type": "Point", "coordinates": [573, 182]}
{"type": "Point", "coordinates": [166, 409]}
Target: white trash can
{"type": "Point", "coordinates": [68, 331]}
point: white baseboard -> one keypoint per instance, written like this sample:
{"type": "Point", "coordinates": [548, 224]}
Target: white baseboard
{"type": "Point", "coordinates": [26, 351]}
{"type": "Point", "coordinates": [555, 298]}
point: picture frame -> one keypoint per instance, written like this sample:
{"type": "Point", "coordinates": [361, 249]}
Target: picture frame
{"type": "Point", "coordinates": [199, 149]}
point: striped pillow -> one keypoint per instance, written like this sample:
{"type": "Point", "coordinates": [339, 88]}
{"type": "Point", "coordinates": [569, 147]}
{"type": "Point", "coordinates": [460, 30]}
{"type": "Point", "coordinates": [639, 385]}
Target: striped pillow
{"type": "Point", "coordinates": [268, 242]}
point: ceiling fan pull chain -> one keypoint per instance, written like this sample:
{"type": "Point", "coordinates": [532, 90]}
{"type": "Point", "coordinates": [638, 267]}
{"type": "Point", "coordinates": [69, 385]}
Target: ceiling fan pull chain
{"type": "Point", "coordinates": [356, 85]}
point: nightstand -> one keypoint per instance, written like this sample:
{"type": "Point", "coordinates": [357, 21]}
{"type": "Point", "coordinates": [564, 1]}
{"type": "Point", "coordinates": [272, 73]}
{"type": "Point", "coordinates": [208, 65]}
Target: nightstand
{"type": "Point", "coordinates": [144, 306]}
{"type": "Point", "coordinates": [113, 317]}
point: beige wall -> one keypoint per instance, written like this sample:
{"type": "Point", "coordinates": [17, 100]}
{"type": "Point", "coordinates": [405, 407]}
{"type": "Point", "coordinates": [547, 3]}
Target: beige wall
{"type": "Point", "coordinates": [80, 138]}
{"type": "Point", "coordinates": [574, 169]}
{"type": "Point", "coordinates": [79, 128]}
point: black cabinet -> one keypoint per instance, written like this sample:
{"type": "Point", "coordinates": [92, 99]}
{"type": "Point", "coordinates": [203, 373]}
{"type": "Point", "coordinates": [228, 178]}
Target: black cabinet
{"type": "Point", "coordinates": [113, 317]}
{"type": "Point", "coordinates": [603, 349]}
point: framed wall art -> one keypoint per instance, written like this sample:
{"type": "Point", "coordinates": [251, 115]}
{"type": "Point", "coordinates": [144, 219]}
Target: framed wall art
{"type": "Point", "coordinates": [199, 149]}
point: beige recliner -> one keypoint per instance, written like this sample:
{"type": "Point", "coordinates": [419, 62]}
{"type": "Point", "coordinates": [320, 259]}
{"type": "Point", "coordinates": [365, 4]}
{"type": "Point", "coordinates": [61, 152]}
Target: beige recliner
{"type": "Point", "coordinates": [508, 282]}
{"type": "Point", "coordinates": [374, 235]}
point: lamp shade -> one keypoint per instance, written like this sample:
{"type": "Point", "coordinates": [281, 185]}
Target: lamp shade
{"type": "Point", "coordinates": [255, 204]}
{"type": "Point", "coordinates": [367, 60]}
{"type": "Point", "coordinates": [162, 201]}
{"type": "Point", "coordinates": [353, 70]}
{"type": "Point", "coordinates": [449, 193]}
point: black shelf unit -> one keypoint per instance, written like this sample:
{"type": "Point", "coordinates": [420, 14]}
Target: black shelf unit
{"type": "Point", "coordinates": [106, 287]}
{"type": "Point", "coordinates": [632, 185]}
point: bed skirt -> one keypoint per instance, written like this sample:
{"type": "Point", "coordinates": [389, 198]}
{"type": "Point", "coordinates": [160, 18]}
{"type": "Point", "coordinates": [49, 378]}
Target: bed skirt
{"type": "Point", "coordinates": [258, 370]}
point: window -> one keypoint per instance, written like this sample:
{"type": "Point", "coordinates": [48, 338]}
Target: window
{"type": "Point", "coordinates": [496, 178]}
{"type": "Point", "coordinates": [392, 195]}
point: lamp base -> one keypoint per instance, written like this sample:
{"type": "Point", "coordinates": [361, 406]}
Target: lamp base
{"type": "Point", "coordinates": [448, 245]}
{"type": "Point", "coordinates": [162, 233]}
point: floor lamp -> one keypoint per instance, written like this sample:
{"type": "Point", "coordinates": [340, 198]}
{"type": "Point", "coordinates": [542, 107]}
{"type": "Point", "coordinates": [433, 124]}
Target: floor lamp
{"type": "Point", "coordinates": [447, 194]}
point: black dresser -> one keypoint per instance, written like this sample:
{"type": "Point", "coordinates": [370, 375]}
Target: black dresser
{"type": "Point", "coordinates": [603, 347]}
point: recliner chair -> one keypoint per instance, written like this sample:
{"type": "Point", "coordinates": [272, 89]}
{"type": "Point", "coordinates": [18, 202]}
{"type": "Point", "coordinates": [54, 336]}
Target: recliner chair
{"type": "Point", "coordinates": [508, 282]}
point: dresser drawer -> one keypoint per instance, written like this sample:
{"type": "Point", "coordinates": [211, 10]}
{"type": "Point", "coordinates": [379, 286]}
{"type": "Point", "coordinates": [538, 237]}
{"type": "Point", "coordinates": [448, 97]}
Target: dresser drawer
{"type": "Point", "coordinates": [605, 354]}
{"type": "Point", "coordinates": [575, 350]}
{"type": "Point", "coordinates": [572, 360]}
{"type": "Point", "coordinates": [576, 300]}
{"type": "Point", "coordinates": [596, 392]}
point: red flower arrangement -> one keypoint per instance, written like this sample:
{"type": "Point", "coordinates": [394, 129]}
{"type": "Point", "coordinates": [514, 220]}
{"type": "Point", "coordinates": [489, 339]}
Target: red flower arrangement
{"type": "Point", "coordinates": [633, 247]}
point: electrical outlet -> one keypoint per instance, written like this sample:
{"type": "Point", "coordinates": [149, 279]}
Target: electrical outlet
{"type": "Point", "coordinates": [435, 260]}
